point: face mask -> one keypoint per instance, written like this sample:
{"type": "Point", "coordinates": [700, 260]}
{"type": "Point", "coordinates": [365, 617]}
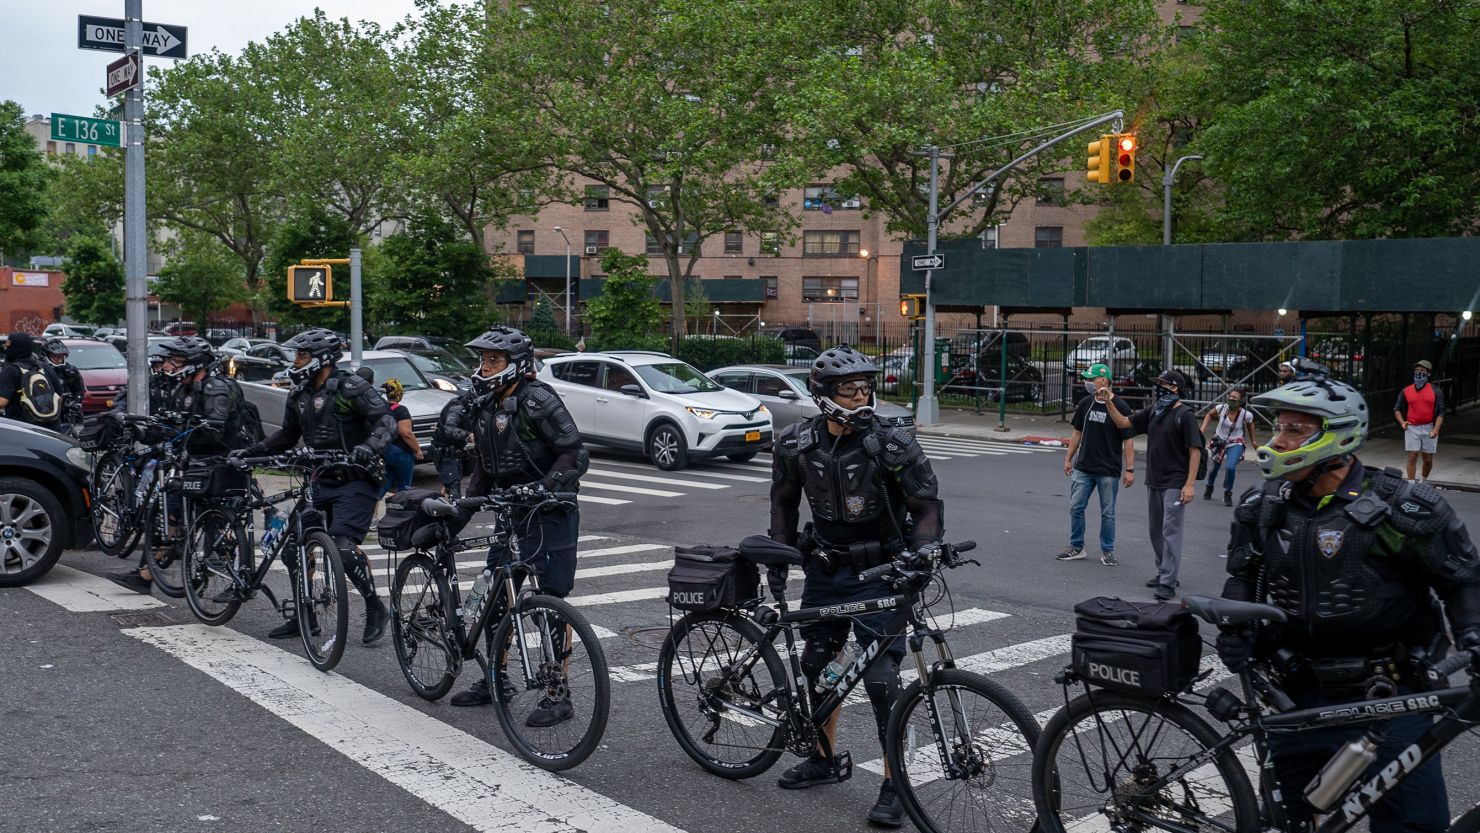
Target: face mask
{"type": "Point", "coordinates": [1165, 399]}
{"type": "Point", "coordinates": [1089, 386]}
{"type": "Point", "coordinates": [1420, 379]}
{"type": "Point", "coordinates": [1235, 404]}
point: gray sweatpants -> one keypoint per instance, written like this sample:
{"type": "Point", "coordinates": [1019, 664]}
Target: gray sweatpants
{"type": "Point", "coordinates": [1165, 516]}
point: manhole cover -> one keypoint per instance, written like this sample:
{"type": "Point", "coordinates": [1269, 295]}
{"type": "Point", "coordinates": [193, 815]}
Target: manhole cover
{"type": "Point", "coordinates": [147, 619]}
{"type": "Point", "coordinates": [647, 637]}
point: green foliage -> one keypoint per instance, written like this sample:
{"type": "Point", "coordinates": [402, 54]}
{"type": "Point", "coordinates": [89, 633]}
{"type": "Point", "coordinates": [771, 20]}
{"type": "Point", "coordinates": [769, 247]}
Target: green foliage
{"type": "Point", "coordinates": [309, 233]}
{"type": "Point", "coordinates": [94, 283]}
{"type": "Point", "coordinates": [707, 352]}
{"type": "Point", "coordinates": [543, 330]}
{"type": "Point", "coordinates": [84, 198]}
{"type": "Point", "coordinates": [627, 315]}
{"type": "Point", "coordinates": [23, 178]}
{"type": "Point", "coordinates": [431, 281]}
{"type": "Point", "coordinates": [202, 276]}
{"type": "Point", "coordinates": [696, 306]}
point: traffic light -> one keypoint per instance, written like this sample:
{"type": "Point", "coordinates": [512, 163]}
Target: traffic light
{"type": "Point", "coordinates": [311, 284]}
{"type": "Point", "coordinates": [912, 306]}
{"type": "Point", "coordinates": [1099, 160]}
{"type": "Point", "coordinates": [1125, 157]}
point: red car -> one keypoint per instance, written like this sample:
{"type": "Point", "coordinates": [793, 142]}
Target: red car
{"type": "Point", "coordinates": [104, 372]}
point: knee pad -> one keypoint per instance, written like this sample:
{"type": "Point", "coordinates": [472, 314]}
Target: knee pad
{"type": "Point", "coordinates": [819, 651]}
{"type": "Point", "coordinates": [356, 566]}
{"type": "Point", "coordinates": [881, 681]}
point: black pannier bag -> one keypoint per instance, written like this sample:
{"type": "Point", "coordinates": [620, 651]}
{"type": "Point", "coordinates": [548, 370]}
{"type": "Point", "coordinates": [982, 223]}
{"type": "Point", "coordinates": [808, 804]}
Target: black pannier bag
{"type": "Point", "coordinates": [218, 480]}
{"type": "Point", "coordinates": [1146, 648]}
{"type": "Point", "coordinates": [100, 432]}
{"type": "Point", "coordinates": [397, 528]}
{"type": "Point", "coordinates": [711, 578]}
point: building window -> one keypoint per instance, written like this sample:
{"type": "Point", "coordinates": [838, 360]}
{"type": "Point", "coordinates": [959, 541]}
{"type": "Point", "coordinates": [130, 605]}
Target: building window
{"type": "Point", "coordinates": [770, 242]}
{"type": "Point", "coordinates": [734, 243]}
{"type": "Point", "coordinates": [597, 241]}
{"type": "Point", "coordinates": [652, 245]}
{"type": "Point", "coordinates": [732, 277]}
{"type": "Point", "coordinates": [1048, 237]}
{"type": "Point", "coordinates": [828, 290]}
{"type": "Point", "coordinates": [657, 196]}
{"type": "Point", "coordinates": [526, 242]}
{"type": "Point", "coordinates": [51, 148]}
{"type": "Point", "coordinates": [771, 200]}
{"type": "Point", "coordinates": [526, 198]}
{"type": "Point", "coordinates": [690, 244]}
{"type": "Point", "coordinates": [768, 152]}
{"type": "Point", "coordinates": [1186, 33]}
{"type": "Point", "coordinates": [71, 149]}
{"type": "Point", "coordinates": [830, 243]}
{"type": "Point", "coordinates": [990, 237]}
{"type": "Point", "coordinates": [1051, 190]}
{"type": "Point", "coordinates": [825, 198]}
{"type": "Point", "coordinates": [769, 281]}
{"type": "Point", "coordinates": [598, 198]}
{"type": "Point", "coordinates": [92, 150]}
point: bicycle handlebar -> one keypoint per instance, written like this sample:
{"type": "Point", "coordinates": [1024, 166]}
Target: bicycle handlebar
{"type": "Point", "coordinates": [293, 457]}
{"type": "Point", "coordinates": [946, 555]}
{"type": "Point", "coordinates": [1456, 661]}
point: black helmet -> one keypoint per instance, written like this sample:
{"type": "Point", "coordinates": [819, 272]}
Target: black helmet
{"type": "Point", "coordinates": [828, 369]}
{"type": "Point", "coordinates": [54, 346]}
{"type": "Point", "coordinates": [511, 342]}
{"type": "Point", "coordinates": [323, 345]}
{"type": "Point", "coordinates": [193, 351]}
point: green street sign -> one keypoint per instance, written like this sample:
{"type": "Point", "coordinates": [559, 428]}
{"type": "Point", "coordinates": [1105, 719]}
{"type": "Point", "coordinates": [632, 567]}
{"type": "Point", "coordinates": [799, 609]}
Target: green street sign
{"type": "Point", "coordinates": [66, 128]}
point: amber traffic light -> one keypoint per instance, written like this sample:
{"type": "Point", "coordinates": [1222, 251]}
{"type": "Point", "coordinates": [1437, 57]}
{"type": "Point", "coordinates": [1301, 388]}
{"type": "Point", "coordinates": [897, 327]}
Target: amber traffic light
{"type": "Point", "coordinates": [1125, 157]}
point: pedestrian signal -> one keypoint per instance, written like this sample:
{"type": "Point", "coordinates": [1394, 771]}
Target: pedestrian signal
{"type": "Point", "coordinates": [310, 284]}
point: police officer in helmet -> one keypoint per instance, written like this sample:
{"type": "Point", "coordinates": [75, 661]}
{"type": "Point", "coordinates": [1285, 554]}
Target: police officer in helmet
{"type": "Point", "coordinates": [1356, 557]}
{"type": "Point", "coordinates": [69, 380]}
{"type": "Point", "coordinates": [331, 408]}
{"type": "Point", "coordinates": [872, 492]}
{"type": "Point", "coordinates": [522, 434]}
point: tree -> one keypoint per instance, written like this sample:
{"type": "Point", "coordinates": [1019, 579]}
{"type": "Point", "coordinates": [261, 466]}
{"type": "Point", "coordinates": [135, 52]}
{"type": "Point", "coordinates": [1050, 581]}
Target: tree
{"type": "Point", "coordinates": [542, 329]}
{"type": "Point", "coordinates": [94, 283]}
{"type": "Point", "coordinates": [23, 178]}
{"type": "Point", "coordinates": [307, 234]}
{"type": "Point", "coordinates": [434, 281]}
{"type": "Point", "coordinates": [627, 314]}
{"type": "Point", "coordinates": [202, 276]}
{"type": "Point", "coordinates": [84, 198]}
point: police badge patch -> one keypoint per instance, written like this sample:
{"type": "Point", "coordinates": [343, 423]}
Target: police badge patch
{"type": "Point", "coordinates": [318, 402]}
{"type": "Point", "coordinates": [854, 504]}
{"type": "Point", "coordinates": [1328, 541]}
{"type": "Point", "coordinates": [500, 422]}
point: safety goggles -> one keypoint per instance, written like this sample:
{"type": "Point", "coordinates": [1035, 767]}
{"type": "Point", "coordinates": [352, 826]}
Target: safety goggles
{"type": "Point", "coordinates": [861, 386]}
{"type": "Point", "coordinates": [1297, 432]}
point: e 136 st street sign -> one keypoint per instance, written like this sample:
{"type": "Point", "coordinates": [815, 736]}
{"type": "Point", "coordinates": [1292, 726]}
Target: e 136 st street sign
{"type": "Point", "coordinates": [66, 128]}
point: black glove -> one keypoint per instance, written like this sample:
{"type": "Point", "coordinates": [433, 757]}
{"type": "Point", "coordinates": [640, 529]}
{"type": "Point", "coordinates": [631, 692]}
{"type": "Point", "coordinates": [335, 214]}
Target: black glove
{"type": "Point", "coordinates": [1235, 648]}
{"type": "Point", "coordinates": [364, 455]}
{"type": "Point", "coordinates": [1468, 640]}
{"type": "Point", "coordinates": [560, 481]}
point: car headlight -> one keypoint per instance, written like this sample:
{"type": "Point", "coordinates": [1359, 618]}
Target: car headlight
{"type": "Point", "coordinates": [763, 409]}
{"type": "Point", "coordinates": [701, 413]}
{"type": "Point", "coordinates": [79, 458]}
{"type": "Point", "coordinates": [443, 384]}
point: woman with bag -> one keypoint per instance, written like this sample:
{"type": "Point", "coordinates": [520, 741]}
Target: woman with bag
{"type": "Point", "coordinates": [1234, 433]}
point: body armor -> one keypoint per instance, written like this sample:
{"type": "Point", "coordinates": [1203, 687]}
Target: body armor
{"type": "Point", "coordinates": [520, 437]}
{"type": "Point", "coordinates": [215, 400]}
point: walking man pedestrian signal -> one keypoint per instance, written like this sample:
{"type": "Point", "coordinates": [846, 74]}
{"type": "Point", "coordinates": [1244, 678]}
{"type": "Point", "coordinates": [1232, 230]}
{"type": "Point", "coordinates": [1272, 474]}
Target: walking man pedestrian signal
{"type": "Point", "coordinates": [310, 284]}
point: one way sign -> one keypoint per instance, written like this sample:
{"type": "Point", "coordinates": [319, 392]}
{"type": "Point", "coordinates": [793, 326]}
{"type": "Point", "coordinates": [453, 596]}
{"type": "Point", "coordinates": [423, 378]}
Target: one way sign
{"type": "Point", "coordinates": [921, 263]}
{"type": "Point", "coordinates": [106, 33]}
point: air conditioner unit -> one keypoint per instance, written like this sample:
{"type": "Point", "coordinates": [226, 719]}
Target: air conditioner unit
{"type": "Point", "coordinates": [591, 250]}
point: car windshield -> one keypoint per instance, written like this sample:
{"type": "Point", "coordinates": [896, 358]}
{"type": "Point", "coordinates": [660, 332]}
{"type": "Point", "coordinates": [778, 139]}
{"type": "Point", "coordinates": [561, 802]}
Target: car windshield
{"type": "Point", "coordinates": [437, 361]}
{"type": "Point", "coordinates": [101, 357]}
{"type": "Point", "coordinates": [675, 378]}
{"type": "Point", "coordinates": [1094, 344]}
{"type": "Point", "coordinates": [397, 368]}
{"type": "Point", "coordinates": [798, 381]}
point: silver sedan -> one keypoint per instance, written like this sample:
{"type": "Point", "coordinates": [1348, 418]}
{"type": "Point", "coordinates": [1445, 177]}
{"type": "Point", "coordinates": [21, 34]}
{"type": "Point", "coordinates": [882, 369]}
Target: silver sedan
{"type": "Point", "coordinates": [783, 389]}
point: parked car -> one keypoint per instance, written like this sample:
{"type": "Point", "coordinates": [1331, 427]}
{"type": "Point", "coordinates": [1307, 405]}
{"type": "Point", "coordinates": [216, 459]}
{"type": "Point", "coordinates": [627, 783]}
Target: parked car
{"type": "Point", "coordinates": [1024, 380]}
{"type": "Point", "coordinates": [783, 390]}
{"type": "Point", "coordinates": [445, 370]}
{"type": "Point", "coordinates": [1336, 354]}
{"type": "Point", "coordinates": [218, 337]}
{"type": "Point", "coordinates": [60, 330]}
{"type": "Point", "coordinates": [897, 370]}
{"type": "Point", "coordinates": [180, 328]}
{"type": "Point", "coordinates": [1253, 358]}
{"type": "Point", "coordinates": [1114, 351]}
{"type": "Point", "coordinates": [799, 356]}
{"type": "Point", "coordinates": [802, 336]}
{"type": "Point", "coordinates": [982, 342]}
{"type": "Point", "coordinates": [104, 372]}
{"type": "Point", "coordinates": [451, 345]}
{"type": "Point", "coordinates": [43, 487]}
{"type": "Point", "coordinates": [240, 345]}
{"type": "Point", "coordinates": [102, 333]}
{"type": "Point", "coordinates": [654, 403]}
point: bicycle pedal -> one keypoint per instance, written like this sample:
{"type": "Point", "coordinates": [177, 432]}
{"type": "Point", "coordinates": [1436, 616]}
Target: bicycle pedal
{"type": "Point", "coordinates": [843, 766]}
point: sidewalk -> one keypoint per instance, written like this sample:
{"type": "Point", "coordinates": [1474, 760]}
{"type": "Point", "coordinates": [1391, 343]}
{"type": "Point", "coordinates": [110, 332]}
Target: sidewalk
{"type": "Point", "coordinates": [1456, 465]}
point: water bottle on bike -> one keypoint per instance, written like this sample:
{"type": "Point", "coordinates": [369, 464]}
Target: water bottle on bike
{"type": "Point", "coordinates": [272, 526]}
{"type": "Point", "coordinates": [474, 603]}
{"type": "Point", "coordinates": [147, 477]}
{"type": "Point", "coordinates": [834, 671]}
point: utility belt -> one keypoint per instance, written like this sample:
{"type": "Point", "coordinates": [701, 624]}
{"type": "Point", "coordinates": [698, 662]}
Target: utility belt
{"type": "Point", "coordinates": [819, 553]}
{"type": "Point", "coordinates": [1372, 677]}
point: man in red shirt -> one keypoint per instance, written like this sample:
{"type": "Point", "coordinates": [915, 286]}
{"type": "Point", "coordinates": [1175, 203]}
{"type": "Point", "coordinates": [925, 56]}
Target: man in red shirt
{"type": "Point", "coordinates": [1420, 410]}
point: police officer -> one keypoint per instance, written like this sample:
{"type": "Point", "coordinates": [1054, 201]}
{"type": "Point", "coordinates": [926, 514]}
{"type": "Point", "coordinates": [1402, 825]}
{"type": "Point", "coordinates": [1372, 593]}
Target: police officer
{"type": "Point", "coordinates": [861, 478]}
{"type": "Point", "coordinates": [451, 442]}
{"type": "Point", "coordinates": [23, 391]}
{"type": "Point", "coordinates": [332, 409]}
{"type": "Point", "coordinates": [522, 434]}
{"type": "Point", "coordinates": [69, 382]}
{"type": "Point", "coordinates": [1355, 557]}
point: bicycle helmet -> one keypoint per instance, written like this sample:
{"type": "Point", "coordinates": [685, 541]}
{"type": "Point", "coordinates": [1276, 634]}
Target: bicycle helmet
{"type": "Point", "coordinates": [194, 352]}
{"type": "Point", "coordinates": [512, 343]}
{"type": "Point", "coordinates": [393, 389]}
{"type": "Point", "coordinates": [834, 365]}
{"type": "Point", "coordinates": [54, 346]}
{"type": "Point", "coordinates": [322, 345]}
{"type": "Point", "coordinates": [1344, 423]}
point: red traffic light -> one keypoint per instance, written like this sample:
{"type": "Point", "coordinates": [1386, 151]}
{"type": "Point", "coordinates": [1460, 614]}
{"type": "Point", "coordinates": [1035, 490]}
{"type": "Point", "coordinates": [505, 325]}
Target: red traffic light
{"type": "Point", "coordinates": [1127, 144]}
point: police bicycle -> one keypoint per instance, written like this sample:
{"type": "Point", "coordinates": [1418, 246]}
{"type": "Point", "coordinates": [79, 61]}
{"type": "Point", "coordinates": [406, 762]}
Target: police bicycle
{"type": "Point", "coordinates": [221, 569]}
{"type": "Point", "coordinates": [956, 744]}
{"type": "Point", "coordinates": [1131, 762]}
{"type": "Point", "coordinates": [540, 650]}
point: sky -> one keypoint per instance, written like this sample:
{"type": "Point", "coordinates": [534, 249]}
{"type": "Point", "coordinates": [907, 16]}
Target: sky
{"type": "Point", "coordinates": [46, 73]}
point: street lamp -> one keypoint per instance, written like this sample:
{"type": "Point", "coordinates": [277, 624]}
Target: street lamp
{"type": "Point", "coordinates": [870, 260]}
{"type": "Point", "coordinates": [1166, 199]}
{"type": "Point", "coordinates": [561, 232]}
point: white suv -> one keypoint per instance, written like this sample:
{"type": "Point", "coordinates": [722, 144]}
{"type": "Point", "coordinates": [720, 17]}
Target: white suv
{"type": "Point", "coordinates": [654, 403]}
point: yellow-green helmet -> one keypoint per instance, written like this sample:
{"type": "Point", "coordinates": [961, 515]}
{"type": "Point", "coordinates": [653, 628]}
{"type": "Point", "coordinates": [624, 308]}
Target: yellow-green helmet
{"type": "Point", "coordinates": [1344, 423]}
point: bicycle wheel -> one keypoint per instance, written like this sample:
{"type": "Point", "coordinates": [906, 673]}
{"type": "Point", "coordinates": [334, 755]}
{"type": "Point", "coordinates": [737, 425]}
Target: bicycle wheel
{"type": "Point", "coordinates": [553, 710]}
{"type": "Point", "coordinates": [1468, 823]}
{"type": "Point", "coordinates": [163, 551]}
{"type": "Point", "coordinates": [322, 600]}
{"type": "Point", "coordinates": [421, 601]}
{"type": "Point", "coordinates": [218, 562]}
{"type": "Point", "coordinates": [112, 487]}
{"type": "Point", "coordinates": [722, 688]}
{"type": "Point", "coordinates": [983, 779]}
{"type": "Point", "coordinates": [1103, 758]}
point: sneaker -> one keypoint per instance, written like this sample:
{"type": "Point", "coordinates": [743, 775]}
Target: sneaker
{"type": "Point", "coordinates": [1108, 558]}
{"type": "Point", "coordinates": [131, 580]}
{"type": "Point", "coordinates": [289, 629]}
{"type": "Point", "coordinates": [1163, 593]}
{"type": "Point", "coordinates": [886, 811]}
{"type": "Point", "coordinates": [1208, 493]}
{"type": "Point", "coordinates": [475, 695]}
{"type": "Point", "coordinates": [1070, 554]}
{"type": "Point", "coordinates": [1227, 497]}
{"type": "Point", "coordinates": [1153, 582]}
{"type": "Point", "coordinates": [375, 614]}
{"type": "Point", "coordinates": [809, 773]}
{"type": "Point", "coordinates": [550, 713]}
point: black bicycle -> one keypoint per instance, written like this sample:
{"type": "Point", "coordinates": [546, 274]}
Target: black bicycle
{"type": "Point", "coordinates": [1129, 762]}
{"type": "Point", "coordinates": [543, 661]}
{"type": "Point", "coordinates": [956, 744]}
{"type": "Point", "coordinates": [221, 570]}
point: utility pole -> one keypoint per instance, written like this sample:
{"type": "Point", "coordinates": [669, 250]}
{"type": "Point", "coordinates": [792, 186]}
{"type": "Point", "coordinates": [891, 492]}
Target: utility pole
{"type": "Point", "coordinates": [567, 278]}
{"type": "Point", "coordinates": [135, 233]}
{"type": "Point", "coordinates": [1167, 178]}
{"type": "Point", "coordinates": [356, 310]}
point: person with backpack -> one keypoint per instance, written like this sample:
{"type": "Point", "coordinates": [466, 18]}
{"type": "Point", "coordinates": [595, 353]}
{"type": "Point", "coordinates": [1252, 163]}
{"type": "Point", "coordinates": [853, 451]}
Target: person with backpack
{"type": "Point", "coordinates": [1234, 433]}
{"type": "Point", "coordinates": [70, 383]}
{"type": "Point", "coordinates": [1175, 457]}
{"type": "Point", "coordinates": [29, 391]}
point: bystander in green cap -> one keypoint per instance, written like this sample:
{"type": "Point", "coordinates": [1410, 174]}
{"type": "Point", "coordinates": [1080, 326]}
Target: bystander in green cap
{"type": "Point", "coordinates": [1097, 371]}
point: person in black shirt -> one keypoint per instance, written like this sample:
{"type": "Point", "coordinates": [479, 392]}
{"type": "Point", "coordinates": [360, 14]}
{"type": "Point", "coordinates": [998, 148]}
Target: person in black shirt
{"type": "Point", "coordinates": [1172, 458]}
{"type": "Point", "coordinates": [21, 362]}
{"type": "Point", "coordinates": [404, 451]}
{"type": "Point", "coordinates": [69, 379]}
{"type": "Point", "coordinates": [1101, 457]}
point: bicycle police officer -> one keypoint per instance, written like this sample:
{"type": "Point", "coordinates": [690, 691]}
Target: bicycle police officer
{"type": "Point", "coordinates": [333, 409]}
{"type": "Point", "coordinates": [861, 478]}
{"type": "Point", "coordinates": [1355, 557]}
{"type": "Point", "coordinates": [69, 380]}
{"type": "Point", "coordinates": [521, 434]}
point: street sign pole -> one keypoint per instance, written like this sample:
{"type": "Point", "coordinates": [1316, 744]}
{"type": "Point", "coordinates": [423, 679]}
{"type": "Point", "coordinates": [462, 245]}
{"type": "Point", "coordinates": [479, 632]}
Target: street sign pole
{"type": "Point", "coordinates": [356, 309]}
{"type": "Point", "coordinates": [135, 239]}
{"type": "Point", "coordinates": [927, 411]}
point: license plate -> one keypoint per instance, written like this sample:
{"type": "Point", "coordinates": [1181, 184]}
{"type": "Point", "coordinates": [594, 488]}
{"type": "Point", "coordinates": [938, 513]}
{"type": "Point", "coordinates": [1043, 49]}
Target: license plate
{"type": "Point", "coordinates": [752, 436]}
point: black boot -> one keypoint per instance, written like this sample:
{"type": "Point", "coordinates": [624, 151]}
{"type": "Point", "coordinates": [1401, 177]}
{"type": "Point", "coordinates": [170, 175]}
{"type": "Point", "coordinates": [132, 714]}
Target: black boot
{"type": "Point", "coordinates": [810, 772]}
{"type": "Point", "coordinates": [289, 629]}
{"type": "Point", "coordinates": [886, 811]}
{"type": "Point", "coordinates": [375, 614]}
{"type": "Point", "coordinates": [1208, 492]}
{"type": "Point", "coordinates": [1227, 497]}
{"type": "Point", "coordinates": [475, 695]}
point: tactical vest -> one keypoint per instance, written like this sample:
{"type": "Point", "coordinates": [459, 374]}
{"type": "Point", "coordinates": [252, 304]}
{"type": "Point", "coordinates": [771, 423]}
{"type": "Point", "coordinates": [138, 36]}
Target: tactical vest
{"type": "Point", "coordinates": [510, 448]}
{"type": "Point", "coordinates": [845, 485]}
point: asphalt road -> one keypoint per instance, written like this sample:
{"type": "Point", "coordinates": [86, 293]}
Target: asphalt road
{"type": "Point", "coordinates": [124, 715]}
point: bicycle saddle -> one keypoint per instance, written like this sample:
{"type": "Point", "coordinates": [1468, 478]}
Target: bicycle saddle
{"type": "Point", "coordinates": [1229, 612]}
{"type": "Point", "coordinates": [438, 508]}
{"type": "Point", "coordinates": [759, 549]}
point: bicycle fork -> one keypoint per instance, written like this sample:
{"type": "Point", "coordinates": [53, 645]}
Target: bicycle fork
{"type": "Point", "coordinates": [955, 767]}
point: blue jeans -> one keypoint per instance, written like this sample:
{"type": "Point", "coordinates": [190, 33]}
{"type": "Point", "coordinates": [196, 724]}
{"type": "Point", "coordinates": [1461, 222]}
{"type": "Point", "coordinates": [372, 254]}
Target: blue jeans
{"type": "Point", "coordinates": [1231, 455]}
{"type": "Point", "coordinates": [399, 464]}
{"type": "Point", "coordinates": [1108, 486]}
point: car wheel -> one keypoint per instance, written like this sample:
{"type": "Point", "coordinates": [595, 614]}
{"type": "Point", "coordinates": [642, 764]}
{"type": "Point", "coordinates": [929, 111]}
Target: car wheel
{"type": "Point", "coordinates": [667, 448]}
{"type": "Point", "coordinates": [31, 531]}
{"type": "Point", "coordinates": [742, 457]}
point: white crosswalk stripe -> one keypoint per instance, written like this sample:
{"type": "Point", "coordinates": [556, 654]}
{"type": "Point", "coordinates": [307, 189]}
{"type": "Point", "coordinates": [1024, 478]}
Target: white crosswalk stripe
{"type": "Point", "coordinates": [647, 478]}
